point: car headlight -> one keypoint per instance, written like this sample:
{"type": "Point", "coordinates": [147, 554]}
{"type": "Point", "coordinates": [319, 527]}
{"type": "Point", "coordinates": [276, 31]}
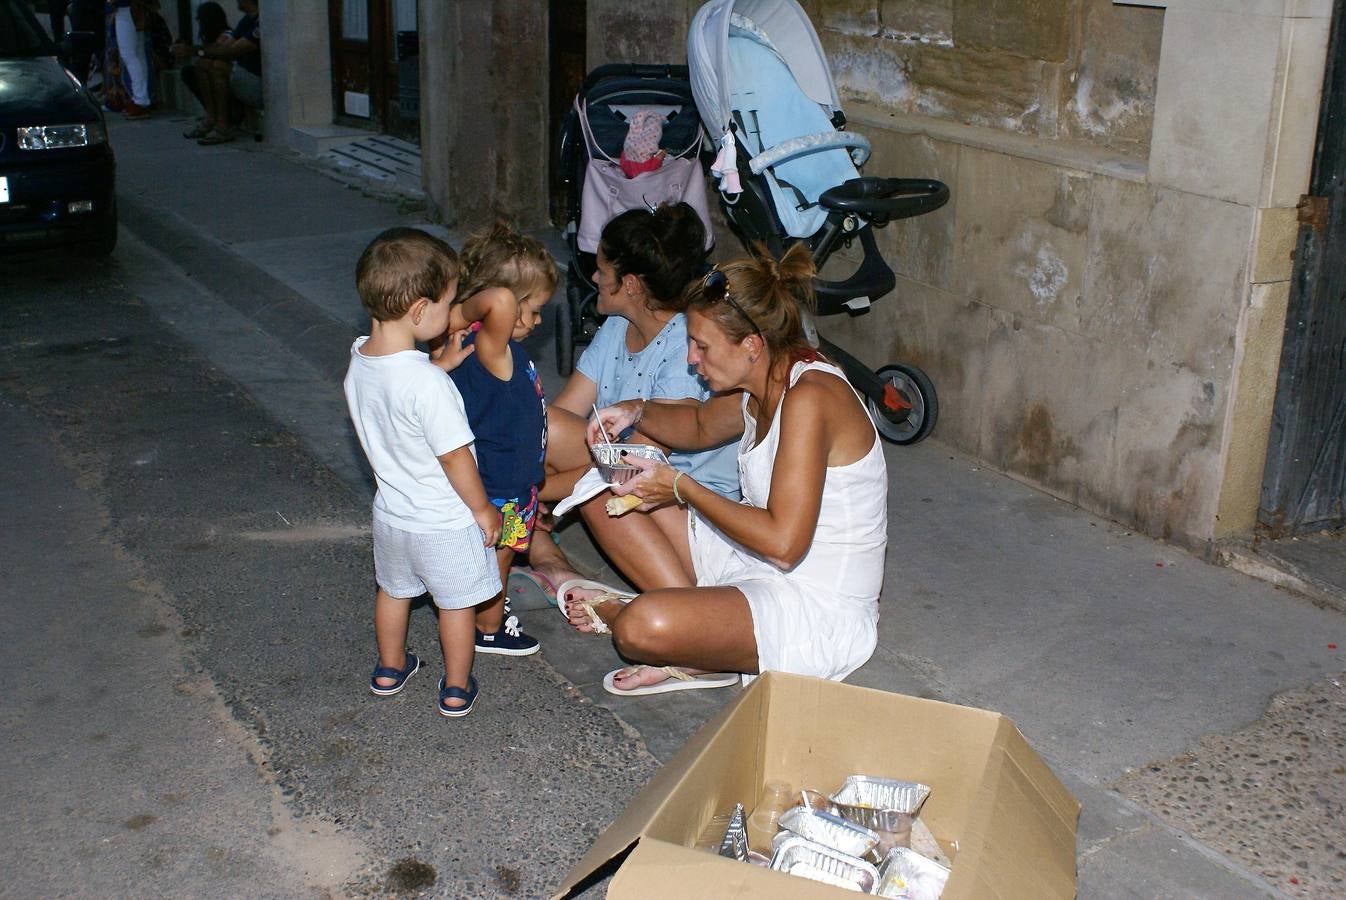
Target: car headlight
{"type": "Point", "coordinates": [58, 137]}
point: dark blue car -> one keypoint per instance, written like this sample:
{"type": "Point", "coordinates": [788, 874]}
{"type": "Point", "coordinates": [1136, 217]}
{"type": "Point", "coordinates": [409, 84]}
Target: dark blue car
{"type": "Point", "coordinates": [57, 171]}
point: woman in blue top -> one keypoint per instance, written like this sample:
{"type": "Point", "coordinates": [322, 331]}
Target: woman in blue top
{"type": "Point", "coordinates": [645, 262]}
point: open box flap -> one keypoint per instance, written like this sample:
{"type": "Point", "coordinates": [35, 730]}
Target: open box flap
{"type": "Point", "coordinates": [1021, 834]}
{"type": "Point", "coordinates": [658, 870]}
{"type": "Point", "coordinates": [633, 822]}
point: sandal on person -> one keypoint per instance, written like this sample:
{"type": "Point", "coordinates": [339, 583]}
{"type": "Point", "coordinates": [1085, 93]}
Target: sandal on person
{"type": "Point", "coordinates": [537, 580]}
{"type": "Point", "coordinates": [410, 667]}
{"type": "Point", "coordinates": [677, 680]}
{"type": "Point", "coordinates": [216, 136]}
{"type": "Point", "coordinates": [197, 131]}
{"type": "Point", "coordinates": [608, 592]}
{"type": "Point", "coordinates": [457, 693]}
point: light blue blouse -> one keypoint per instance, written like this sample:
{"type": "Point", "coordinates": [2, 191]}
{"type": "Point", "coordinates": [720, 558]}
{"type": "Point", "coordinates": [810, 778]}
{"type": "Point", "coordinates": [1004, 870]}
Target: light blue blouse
{"type": "Point", "coordinates": [659, 372]}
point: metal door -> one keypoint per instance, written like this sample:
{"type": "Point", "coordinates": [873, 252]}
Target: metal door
{"type": "Point", "coordinates": [1304, 487]}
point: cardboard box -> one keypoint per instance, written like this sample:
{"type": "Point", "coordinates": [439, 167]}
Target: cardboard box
{"type": "Point", "coordinates": [994, 806]}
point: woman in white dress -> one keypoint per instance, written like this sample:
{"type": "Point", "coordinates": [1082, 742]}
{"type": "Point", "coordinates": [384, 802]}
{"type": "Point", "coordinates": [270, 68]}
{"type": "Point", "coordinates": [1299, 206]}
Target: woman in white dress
{"type": "Point", "coordinates": [788, 579]}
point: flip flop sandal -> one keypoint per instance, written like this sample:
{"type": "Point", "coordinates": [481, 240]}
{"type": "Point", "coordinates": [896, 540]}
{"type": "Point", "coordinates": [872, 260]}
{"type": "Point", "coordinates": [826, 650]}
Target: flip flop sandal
{"type": "Point", "coordinates": [608, 592]}
{"type": "Point", "coordinates": [412, 666]}
{"type": "Point", "coordinates": [457, 693]}
{"type": "Point", "coordinates": [216, 137]}
{"type": "Point", "coordinates": [538, 580]}
{"type": "Point", "coordinates": [677, 680]}
{"type": "Point", "coordinates": [197, 132]}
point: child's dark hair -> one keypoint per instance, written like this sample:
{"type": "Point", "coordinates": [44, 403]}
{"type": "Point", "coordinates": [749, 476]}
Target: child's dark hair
{"type": "Point", "coordinates": [399, 267]}
{"type": "Point", "coordinates": [665, 248]}
{"type": "Point", "coordinates": [502, 257]}
{"type": "Point", "coordinates": [212, 21]}
{"type": "Point", "coordinates": [772, 293]}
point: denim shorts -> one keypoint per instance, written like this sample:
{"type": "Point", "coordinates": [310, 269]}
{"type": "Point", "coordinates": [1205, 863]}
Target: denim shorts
{"type": "Point", "coordinates": [455, 567]}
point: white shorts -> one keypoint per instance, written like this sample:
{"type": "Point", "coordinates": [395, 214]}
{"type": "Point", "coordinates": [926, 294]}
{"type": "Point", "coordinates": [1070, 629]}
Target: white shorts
{"type": "Point", "coordinates": [454, 567]}
{"type": "Point", "coordinates": [799, 628]}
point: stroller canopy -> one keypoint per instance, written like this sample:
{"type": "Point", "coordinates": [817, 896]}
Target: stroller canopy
{"type": "Point", "coordinates": [782, 24]}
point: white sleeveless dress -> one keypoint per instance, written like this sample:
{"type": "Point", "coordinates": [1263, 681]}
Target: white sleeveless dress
{"type": "Point", "coordinates": [820, 617]}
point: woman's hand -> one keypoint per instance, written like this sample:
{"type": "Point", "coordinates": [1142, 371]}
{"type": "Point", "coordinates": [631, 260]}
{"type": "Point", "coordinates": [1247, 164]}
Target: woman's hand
{"type": "Point", "coordinates": [613, 420]}
{"type": "Point", "coordinates": [450, 354]}
{"type": "Point", "coordinates": [654, 485]}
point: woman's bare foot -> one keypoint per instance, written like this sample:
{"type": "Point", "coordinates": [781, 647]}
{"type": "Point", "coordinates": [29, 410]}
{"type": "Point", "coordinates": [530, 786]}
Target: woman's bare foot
{"type": "Point", "coordinates": [635, 681]}
{"type": "Point", "coordinates": [546, 560]}
{"type": "Point", "coordinates": [633, 677]}
{"type": "Point", "coordinates": [579, 601]}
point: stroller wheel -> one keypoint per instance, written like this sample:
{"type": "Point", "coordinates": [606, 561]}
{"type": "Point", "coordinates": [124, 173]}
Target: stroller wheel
{"type": "Point", "coordinates": [565, 334]}
{"type": "Point", "coordinates": [909, 407]}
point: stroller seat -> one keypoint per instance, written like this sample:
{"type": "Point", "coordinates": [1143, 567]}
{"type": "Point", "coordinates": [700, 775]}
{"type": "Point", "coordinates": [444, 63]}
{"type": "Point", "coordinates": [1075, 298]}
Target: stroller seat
{"type": "Point", "coordinates": [770, 110]}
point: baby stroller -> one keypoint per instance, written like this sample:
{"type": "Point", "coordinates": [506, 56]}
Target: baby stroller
{"type": "Point", "coordinates": [593, 134]}
{"type": "Point", "coordinates": [788, 172]}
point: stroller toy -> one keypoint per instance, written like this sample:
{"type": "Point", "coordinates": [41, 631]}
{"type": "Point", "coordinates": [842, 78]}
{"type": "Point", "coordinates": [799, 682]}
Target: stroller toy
{"type": "Point", "coordinates": [787, 171]}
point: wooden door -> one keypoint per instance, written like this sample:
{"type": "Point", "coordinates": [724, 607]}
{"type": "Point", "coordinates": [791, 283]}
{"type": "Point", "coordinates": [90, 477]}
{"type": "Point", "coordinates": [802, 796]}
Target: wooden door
{"type": "Point", "coordinates": [1304, 488]}
{"type": "Point", "coordinates": [356, 30]}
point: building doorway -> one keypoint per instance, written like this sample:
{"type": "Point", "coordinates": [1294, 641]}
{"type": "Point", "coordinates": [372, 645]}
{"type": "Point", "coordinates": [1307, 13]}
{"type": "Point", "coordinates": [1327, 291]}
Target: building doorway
{"type": "Point", "coordinates": [566, 70]}
{"type": "Point", "coordinates": [375, 65]}
{"type": "Point", "coordinates": [1304, 486]}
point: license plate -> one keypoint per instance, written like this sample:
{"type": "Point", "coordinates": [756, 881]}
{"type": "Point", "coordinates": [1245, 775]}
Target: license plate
{"type": "Point", "coordinates": [4, 189]}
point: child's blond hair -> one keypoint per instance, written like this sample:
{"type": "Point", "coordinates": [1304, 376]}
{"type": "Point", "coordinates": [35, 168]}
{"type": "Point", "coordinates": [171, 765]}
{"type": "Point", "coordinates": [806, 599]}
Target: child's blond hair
{"type": "Point", "coordinates": [399, 267]}
{"type": "Point", "coordinates": [502, 257]}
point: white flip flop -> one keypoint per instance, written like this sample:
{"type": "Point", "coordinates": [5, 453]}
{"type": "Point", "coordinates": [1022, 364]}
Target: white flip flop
{"type": "Point", "coordinates": [607, 592]}
{"type": "Point", "coordinates": [677, 680]}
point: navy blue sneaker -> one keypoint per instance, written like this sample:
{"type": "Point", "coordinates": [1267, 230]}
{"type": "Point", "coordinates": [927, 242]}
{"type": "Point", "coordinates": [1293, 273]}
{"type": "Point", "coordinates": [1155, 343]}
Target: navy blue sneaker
{"type": "Point", "coordinates": [508, 641]}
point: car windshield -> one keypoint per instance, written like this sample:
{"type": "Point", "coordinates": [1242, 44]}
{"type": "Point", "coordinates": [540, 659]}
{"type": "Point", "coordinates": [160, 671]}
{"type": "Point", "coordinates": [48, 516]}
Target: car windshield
{"type": "Point", "coordinates": [20, 34]}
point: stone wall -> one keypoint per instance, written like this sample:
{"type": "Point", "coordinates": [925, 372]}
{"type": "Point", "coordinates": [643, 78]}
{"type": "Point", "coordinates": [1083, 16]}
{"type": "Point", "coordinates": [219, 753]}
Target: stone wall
{"type": "Point", "coordinates": [1088, 304]}
{"type": "Point", "coordinates": [483, 93]}
{"type": "Point", "coordinates": [1081, 70]}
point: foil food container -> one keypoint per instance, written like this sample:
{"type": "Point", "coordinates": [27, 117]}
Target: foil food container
{"type": "Point", "coordinates": [829, 830]}
{"type": "Point", "coordinates": [807, 859]}
{"type": "Point", "coordinates": [735, 843]}
{"type": "Point", "coordinates": [608, 460]}
{"type": "Point", "coordinates": [907, 875]}
{"type": "Point", "coordinates": [882, 804]}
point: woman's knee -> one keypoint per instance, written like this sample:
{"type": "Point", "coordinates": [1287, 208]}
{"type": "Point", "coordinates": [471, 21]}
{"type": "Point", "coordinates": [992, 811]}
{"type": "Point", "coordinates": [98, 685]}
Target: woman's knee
{"type": "Point", "coordinates": [644, 630]}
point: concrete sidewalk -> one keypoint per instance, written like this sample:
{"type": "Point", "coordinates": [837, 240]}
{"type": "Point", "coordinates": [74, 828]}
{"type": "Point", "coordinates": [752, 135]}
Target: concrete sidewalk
{"type": "Point", "coordinates": [1115, 654]}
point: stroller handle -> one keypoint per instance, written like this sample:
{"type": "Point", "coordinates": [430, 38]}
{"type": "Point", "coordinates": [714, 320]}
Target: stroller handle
{"type": "Point", "coordinates": [880, 200]}
{"type": "Point", "coordinates": [633, 70]}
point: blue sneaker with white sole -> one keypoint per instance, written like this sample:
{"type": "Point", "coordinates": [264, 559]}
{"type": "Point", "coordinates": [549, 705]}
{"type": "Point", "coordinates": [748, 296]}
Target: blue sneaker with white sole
{"type": "Point", "coordinates": [508, 641]}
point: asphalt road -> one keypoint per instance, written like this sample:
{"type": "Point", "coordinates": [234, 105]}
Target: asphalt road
{"type": "Point", "coordinates": [186, 615]}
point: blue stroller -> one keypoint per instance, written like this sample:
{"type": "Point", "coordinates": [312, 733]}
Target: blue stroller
{"type": "Point", "coordinates": [788, 172]}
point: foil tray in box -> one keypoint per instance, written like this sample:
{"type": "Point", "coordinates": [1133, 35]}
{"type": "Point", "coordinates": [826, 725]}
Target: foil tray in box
{"type": "Point", "coordinates": [908, 875]}
{"type": "Point", "coordinates": [608, 460]}
{"type": "Point", "coordinates": [829, 830]}
{"type": "Point", "coordinates": [807, 859]}
{"type": "Point", "coordinates": [735, 843]}
{"type": "Point", "coordinates": [882, 804]}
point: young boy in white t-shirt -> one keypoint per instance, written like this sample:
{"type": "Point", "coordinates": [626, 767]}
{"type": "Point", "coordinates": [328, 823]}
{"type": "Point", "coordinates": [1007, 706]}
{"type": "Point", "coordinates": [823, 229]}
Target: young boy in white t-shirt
{"type": "Point", "coordinates": [434, 527]}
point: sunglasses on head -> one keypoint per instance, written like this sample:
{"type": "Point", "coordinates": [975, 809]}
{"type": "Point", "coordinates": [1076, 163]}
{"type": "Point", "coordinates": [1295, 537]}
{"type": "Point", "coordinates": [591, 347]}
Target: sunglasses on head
{"type": "Point", "coordinates": [715, 287]}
